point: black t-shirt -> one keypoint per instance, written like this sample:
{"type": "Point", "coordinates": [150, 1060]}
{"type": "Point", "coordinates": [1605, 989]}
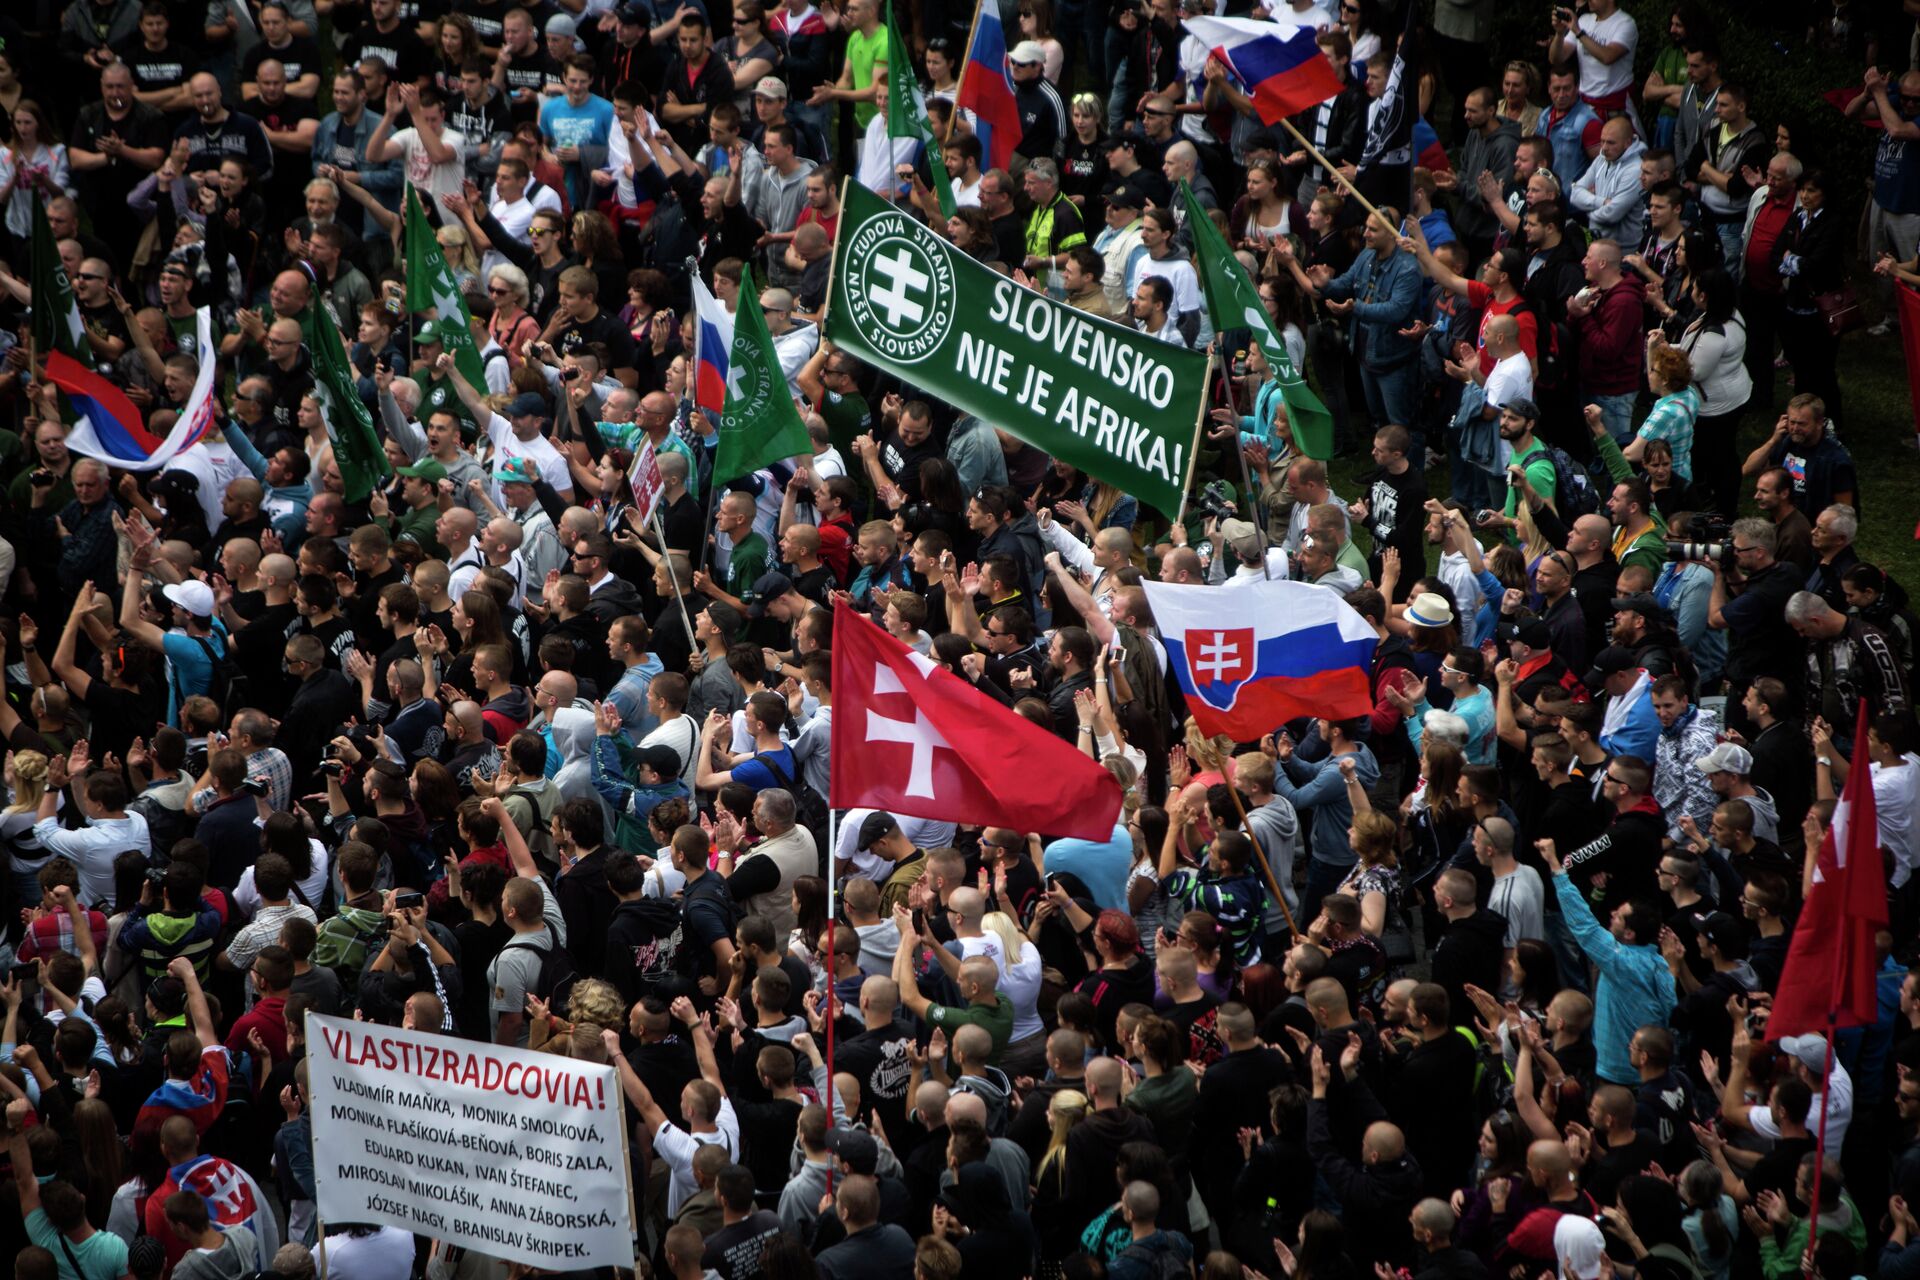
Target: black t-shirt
{"type": "Point", "coordinates": [142, 127]}
{"type": "Point", "coordinates": [815, 584]}
{"type": "Point", "coordinates": [299, 57]}
{"type": "Point", "coordinates": [119, 716]}
{"type": "Point", "coordinates": [735, 1251]}
{"type": "Point", "coordinates": [901, 461]}
{"type": "Point", "coordinates": [405, 54]}
{"type": "Point", "coordinates": [1396, 515]}
{"type": "Point", "coordinates": [1608, 1166]}
{"type": "Point", "coordinates": [529, 75]}
{"type": "Point", "coordinates": [604, 327]}
{"type": "Point", "coordinates": [167, 67]}
{"type": "Point", "coordinates": [107, 319]}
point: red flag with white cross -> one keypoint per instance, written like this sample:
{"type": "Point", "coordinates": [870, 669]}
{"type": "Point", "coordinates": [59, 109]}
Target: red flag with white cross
{"type": "Point", "coordinates": [912, 738]}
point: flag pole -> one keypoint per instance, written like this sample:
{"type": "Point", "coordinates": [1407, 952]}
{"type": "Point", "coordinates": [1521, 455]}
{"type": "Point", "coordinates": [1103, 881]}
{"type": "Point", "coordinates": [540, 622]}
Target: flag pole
{"type": "Point", "coordinates": [1266, 868]}
{"type": "Point", "coordinates": [833, 886]}
{"type": "Point", "coordinates": [1193, 451]}
{"type": "Point", "coordinates": [666, 558]}
{"type": "Point", "coordinates": [1246, 481]}
{"type": "Point", "coordinates": [1332, 172]}
{"type": "Point", "coordinates": [960, 80]}
{"type": "Point", "coordinates": [1826, 1105]}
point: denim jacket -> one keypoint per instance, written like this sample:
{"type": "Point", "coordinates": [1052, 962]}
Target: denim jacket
{"type": "Point", "coordinates": [1386, 295]}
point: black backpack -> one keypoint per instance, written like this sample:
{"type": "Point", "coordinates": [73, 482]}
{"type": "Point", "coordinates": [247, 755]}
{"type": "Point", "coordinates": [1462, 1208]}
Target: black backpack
{"type": "Point", "coordinates": [225, 673]}
{"type": "Point", "coordinates": [809, 810]}
{"type": "Point", "coordinates": [1574, 493]}
{"type": "Point", "coordinates": [557, 975]}
{"type": "Point", "coordinates": [1161, 1264]}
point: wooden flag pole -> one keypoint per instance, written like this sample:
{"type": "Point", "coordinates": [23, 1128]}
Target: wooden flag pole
{"type": "Point", "coordinates": [1193, 451]}
{"type": "Point", "coordinates": [960, 80]}
{"type": "Point", "coordinates": [1219, 762]}
{"type": "Point", "coordinates": [1332, 172]}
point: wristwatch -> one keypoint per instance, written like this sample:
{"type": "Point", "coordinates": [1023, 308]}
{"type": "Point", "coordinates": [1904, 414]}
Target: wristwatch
{"type": "Point", "coordinates": [1825, 762]}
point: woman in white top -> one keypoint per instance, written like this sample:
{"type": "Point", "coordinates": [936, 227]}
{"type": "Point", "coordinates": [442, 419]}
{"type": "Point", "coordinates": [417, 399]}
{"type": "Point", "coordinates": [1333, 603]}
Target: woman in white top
{"type": "Point", "coordinates": [26, 776]}
{"type": "Point", "coordinates": [33, 168]}
{"type": "Point", "coordinates": [1716, 343]}
{"type": "Point", "coordinates": [1020, 983]}
{"type": "Point", "coordinates": [1036, 24]}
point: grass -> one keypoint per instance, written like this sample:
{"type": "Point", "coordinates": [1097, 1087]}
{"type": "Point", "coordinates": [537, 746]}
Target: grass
{"type": "Point", "coordinates": [1879, 434]}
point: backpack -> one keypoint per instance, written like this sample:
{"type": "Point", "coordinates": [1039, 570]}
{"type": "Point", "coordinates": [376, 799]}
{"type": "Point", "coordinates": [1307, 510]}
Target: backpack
{"type": "Point", "coordinates": [1160, 1264]}
{"type": "Point", "coordinates": [554, 983]}
{"type": "Point", "coordinates": [809, 810]}
{"type": "Point", "coordinates": [224, 673]}
{"type": "Point", "coordinates": [1574, 494]}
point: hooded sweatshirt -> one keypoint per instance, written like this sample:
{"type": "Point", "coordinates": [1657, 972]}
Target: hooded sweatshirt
{"type": "Point", "coordinates": [573, 733]}
{"type": "Point", "coordinates": [643, 942]}
{"type": "Point", "coordinates": [237, 1256]}
{"type": "Point", "coordinates": [991, 1086]}
{"type": "Point", "coordinates": [1609, 194]}
{"type": "Point", "coordinates": [1612, 337]}
{"type": "Point", "coordinates": [507, 714]}
{"type": "Point", "coordinates": [1318, 786]}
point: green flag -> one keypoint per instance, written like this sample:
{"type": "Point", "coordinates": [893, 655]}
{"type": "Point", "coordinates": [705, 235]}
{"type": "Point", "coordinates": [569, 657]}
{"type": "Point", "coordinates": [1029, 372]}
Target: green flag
{"type": "Point", "coordinates": [356, 449]}
{"type": "Point", "coordinates": [1234, 303]}
{"type": "Point", "coordinates": [759, 424]}
{"type": "Point", "coordinates": [56, 317]}
{"type": "Point", "coordinates": [907, 113]}
{"type": "Point", "coordinates": [431, 285]}
{"type": "Point", "coordinates": [1106, 398]}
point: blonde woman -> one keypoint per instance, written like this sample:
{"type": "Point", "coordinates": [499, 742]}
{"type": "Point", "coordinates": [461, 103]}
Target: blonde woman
{"type": "Point", "coordinates": [461, 259]}
{"type": "Point", "coordinates": [1375, 878]}
{"type": "Point", "coordinates": [1020, 979]}
{"type": "Point", "coordinates": [592, 1006]}
{"type": "Point", "coordinates": [26, 775]}
{"type": "Point", "coordinates": [1056, 1226]}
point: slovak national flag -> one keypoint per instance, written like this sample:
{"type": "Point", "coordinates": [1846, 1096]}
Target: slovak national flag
{"type": "Point", "coordinates": [1253, 655]}
{"type": "Point", "coordinates": [986, 89]}
{"type": "Point", "coordinates": [1279, 64]}
{"type": "Point", "coordinates": [107, 426]}
{"type": "Point", "coordinates": [712, 342]}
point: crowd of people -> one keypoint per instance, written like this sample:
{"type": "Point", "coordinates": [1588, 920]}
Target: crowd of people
{"type": "Point", "coordinates": [1474, 984]}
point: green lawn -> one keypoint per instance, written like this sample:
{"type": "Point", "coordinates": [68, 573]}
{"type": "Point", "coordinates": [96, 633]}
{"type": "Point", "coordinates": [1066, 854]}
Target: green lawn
{"type": "Point", "coordinates": [1881, 440]}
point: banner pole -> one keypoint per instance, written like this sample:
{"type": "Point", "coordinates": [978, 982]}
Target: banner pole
{"type": "Point", "coordinates": [833, 887]}
{"type": "Point", "coordinates": [1193, 451]}
{"type": "Point", "coordinates": [666, 558]}
{"type": "Point", "coordinates": [319, 1222]}
{"type": "Point", "coordinates": [1266, 868]}
{"type": "Point", "coordinates": [1820, 1145]}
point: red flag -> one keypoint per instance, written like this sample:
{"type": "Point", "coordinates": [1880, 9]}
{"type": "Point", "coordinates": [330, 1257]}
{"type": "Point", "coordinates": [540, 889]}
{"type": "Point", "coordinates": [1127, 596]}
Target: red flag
{"type": "Point", "coordinates": [910, 737]}
{"type": "Point", "coordinates": [1828, 980]}
{"type": "Point", "coordinates": [1908, 300]}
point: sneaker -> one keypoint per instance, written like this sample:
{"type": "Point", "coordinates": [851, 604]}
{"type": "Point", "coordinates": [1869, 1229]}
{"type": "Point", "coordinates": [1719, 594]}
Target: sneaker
{"type": "Point", "coordinates": [1882, 329]}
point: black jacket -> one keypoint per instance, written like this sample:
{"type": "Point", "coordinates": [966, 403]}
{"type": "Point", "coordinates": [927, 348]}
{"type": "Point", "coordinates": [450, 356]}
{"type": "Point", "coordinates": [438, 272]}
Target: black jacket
{"type": "Point", "coordinates": [1470, 951]}
{"type": "Point", "coordinates": [1430, 1095]}
{"type": "Point", "coordinates": [1374, 1198]}
{"type": "Point", "coordinates": [1816, 243]}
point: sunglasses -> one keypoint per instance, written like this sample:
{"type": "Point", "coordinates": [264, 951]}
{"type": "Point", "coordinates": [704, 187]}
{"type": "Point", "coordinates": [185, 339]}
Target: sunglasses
{"type": "Point", "coordinates": [87, 275]}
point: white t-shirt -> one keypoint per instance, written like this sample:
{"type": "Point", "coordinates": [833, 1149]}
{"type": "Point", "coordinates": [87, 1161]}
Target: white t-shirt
{"type": "Point", "coordinates": [1839, 1116]}
{"type": "Point", "coordinates": [215, 465]}
{"type": "Point", "coordinates": [553, 467]}
{"type": "Point", "coordinates": [965, 197]}
{"type": "Point", "coordinates": [678, 1147]}
{"type": "Point", "coordinates": [1509, 380]}
{"type": "Point", "coordinates": [1895, 789]}
{"type": "Point", "coordinates": [1460, 580]}
{"type": "Point", "coordinates": [1597, 78]}
{"type": "Point", "coordinates": [1520, 898]}
{"type": "Point", "coordinates": [387, 1254]}
{"type": "Point", "coordinates": [434, 180]}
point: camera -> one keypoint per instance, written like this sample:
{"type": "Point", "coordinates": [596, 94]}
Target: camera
{"type": "Point", "coordinates": [254, 787]}
{"type": "Point", "coordinates": [1215, 499]}
{"type": "Point", "coordinates": [1704, 537]}
{"type": "Point", "coordinates": [332, 768]}
{"type": "Point", "coordinates": [569, 373]}
{"type": "Point", "coordinates": [408, 901]}
{"type": "Point", "coordinates": [156, 875]}
{"type": "Point", "coordinates": [1484, 516]}
{"type": "Point", "coordinates": [42, 478]}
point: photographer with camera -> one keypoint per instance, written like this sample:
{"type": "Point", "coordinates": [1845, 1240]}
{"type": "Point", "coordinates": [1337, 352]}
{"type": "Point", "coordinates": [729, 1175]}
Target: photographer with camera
{"type": "Point", "coordinates": [1600, 39]}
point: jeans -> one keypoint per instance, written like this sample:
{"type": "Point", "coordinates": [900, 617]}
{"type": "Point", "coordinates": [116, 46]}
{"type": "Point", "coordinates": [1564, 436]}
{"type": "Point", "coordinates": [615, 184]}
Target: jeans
{"type": "Point", "coordinates": [1731, 248]}
{"type": "Point", "coordinates": [1322, 879]}
{"type": "Point", "coordinates": [1894, 233]}
{"type": "Point", "coordinates": [1617, 413]}
{"type": "Point", "coordinates": [820, 118]}
{"type": "Point", "coordinates": [1469, 482]}
{"type": "Point", "coordinates": [1390, 394]}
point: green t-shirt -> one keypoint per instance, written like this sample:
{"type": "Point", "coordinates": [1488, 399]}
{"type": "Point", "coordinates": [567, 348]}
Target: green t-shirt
{"type": "Point", "coordinates": [1538, 464]}
{"type": "Point", "coordinates": [846, 416]}
{"type": "Point", "coordinates": [745, 565]}
{"type": "Point", "coordinates": [418, 525]}
{"type": "Point", "coordinates": [102, 1255]}
{"type": "Point", "coordinates": [998, 1020]}
{"type": "Point", "coordinates": [862, 53]}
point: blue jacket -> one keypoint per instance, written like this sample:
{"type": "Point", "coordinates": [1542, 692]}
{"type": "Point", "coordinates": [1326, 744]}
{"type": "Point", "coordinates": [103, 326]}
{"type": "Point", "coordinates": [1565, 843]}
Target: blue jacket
{"type": "Point", "coordinates": [1317, 785]}
{"type": "Point", "coordinates": [1635, 988]}
{"type": "Point", "coordinates": [1570, 158]}
{"type": "Point", "coordinates": [345, 147]}
{"type": "Point", "coordinates": [1386, 296]}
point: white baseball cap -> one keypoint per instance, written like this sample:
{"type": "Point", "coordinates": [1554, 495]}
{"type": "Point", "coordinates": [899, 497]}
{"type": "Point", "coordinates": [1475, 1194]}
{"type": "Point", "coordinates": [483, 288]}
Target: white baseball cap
{"type": "Point", "coordinates": [195, 597]}
{"type": "Point", "coordinates": [1028, 51]}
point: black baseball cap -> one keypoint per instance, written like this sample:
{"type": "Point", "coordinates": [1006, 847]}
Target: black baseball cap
{"type": "Point", "coordinates": [876, 826]}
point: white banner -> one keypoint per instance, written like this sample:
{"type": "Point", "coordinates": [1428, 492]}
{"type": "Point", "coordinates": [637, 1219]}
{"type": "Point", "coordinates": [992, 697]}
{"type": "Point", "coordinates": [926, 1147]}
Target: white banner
{"type": "Point", "coordinates": [512, 1154]}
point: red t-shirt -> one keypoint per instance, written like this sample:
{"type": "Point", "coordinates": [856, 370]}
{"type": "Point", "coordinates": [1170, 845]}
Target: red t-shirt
{"type": "Point", "coordinates": [1481, 297]}
{"type": "Point", "coordinates": [810, 214]}
{"type": "Point", "coordinates": [269, 1017]}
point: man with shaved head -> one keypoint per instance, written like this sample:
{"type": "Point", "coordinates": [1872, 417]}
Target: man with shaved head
{"type": "Point", "coordinates": [1095, 1142]}
{"type": "Point", "coordinates": [978, 979]}
{"type": "Point", "coordinates": [1606, 319]}
{"type": "Point", "coordinates": [1377, 1191]}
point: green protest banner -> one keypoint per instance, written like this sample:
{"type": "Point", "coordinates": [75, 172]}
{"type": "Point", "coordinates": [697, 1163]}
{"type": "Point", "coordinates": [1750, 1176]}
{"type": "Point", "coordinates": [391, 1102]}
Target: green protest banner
{"type": "Point", "coordinates": [1111, 400]}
